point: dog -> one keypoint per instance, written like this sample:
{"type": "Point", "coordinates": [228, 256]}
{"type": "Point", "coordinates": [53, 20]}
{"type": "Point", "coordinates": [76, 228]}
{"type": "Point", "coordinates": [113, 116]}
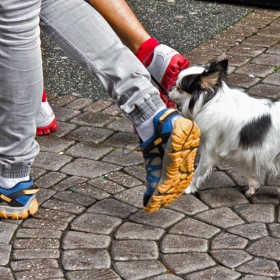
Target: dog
{"type": "Point", "coordinates": [238, 129]}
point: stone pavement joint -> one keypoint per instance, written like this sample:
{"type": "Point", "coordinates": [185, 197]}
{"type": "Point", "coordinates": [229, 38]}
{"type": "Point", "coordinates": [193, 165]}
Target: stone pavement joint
{"type": "Point", "coordinates": [90, 224]}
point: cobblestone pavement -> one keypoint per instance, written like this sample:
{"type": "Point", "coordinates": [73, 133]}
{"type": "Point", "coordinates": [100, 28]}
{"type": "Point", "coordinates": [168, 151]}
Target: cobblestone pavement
{"type": "Point", "coordinates": [90, 224]}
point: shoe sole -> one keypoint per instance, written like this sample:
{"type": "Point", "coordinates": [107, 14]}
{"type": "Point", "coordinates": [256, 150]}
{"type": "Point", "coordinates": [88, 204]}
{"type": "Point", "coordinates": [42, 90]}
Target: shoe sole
{"type": "Point", "coordinates": [52, 127]}
{"type": "Point", "coordinates": [179, 172]}
{"type": "Point", "coordinates": [16, 213]}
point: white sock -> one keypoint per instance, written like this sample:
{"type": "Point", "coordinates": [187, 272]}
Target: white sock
{"type": "Point", "coordinates": [146, 129]}
{"type": "Point", "coordinates": [8, 183]}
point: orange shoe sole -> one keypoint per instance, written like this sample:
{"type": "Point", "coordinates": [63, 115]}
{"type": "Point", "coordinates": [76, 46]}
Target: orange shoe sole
{"type": "Point", "coordinates": [179, 172]}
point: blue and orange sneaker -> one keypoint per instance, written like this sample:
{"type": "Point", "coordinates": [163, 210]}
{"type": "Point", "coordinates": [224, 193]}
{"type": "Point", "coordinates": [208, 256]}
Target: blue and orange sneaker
{"type": "Point", "coordinates": [19, 202]}
{"type": "Point", "coordinates": [169, 159]}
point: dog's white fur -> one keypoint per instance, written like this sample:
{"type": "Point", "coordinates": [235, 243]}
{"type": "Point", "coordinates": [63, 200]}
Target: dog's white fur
{"type": "Point", "coordinates": [224, 118]}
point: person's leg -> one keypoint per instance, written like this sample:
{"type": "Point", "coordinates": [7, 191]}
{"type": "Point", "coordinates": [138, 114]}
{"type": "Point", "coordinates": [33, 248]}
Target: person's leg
{"type": "Point", "coordinates": [21, 81]}
{"type": "Point", "coordinates": [163, 62]}
{"type": "Point", "coordinates": [167, 139]}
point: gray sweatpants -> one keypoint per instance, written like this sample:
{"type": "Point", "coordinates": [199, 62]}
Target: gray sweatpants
{"type": "Point", "coordinates": [88, 39]}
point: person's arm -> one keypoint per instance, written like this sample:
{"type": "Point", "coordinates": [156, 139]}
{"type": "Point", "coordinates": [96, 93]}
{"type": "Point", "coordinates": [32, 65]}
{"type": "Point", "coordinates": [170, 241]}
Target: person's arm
{"type": "Point", "coordinates": [123, 21]}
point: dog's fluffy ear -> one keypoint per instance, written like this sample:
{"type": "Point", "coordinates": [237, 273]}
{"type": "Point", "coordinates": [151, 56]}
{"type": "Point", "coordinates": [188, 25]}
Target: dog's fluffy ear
{"type": "Point", "coordinates": [214, 73]}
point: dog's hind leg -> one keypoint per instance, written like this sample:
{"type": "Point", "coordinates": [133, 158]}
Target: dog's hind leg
{"type": "Point", "coordinates": [202, 171]}
{"type": "Point", "coordinates": [254, 186]}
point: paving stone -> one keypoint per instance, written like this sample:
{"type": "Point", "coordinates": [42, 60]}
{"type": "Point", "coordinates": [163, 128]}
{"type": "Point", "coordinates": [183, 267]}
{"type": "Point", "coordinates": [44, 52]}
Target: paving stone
{"type": "Point", "coordinates": [44, 194]}
{"type": "Point", "coordinates": [273, 79]}
{"type": "Point", "coordinates": [112, 207]}
{"type": "Point", "coordinates": [79, 103]}
{"type": "Point", "coordinates": [166, 277]}
{"type": "Point", "coordinates": [44, 224]}
{"type": "Point", "coordinates": [113, 110]}
{"type": "Point", "coordinates": [136, 270]}
{"type": "Point", "coordinates": [54, 144]}
{"type": "Point", "coordinates": [38, 233]}
{"type": "Point", "coordinates": [85, 259]}
{"type": "Point", "coordinates": [268, 31]}
{"type": "Point", "coordinates": [247, 50]}
{"type": "Point", "coordinates": [70, 196]}
{"type": "Point", "coordinates": [118, 158]}
{"type": "Point", "coordinates": [89, 134]}
{"type": "Point", "coordinates": [126, 141]}
{"type": "Point", "coordinates": [230, 258]}
{"type": "Point", "coordinates": [90, 191]}
{"type": "Point", "coordinates": [172, 243]}
{"type": "Point", "coordinates": [267, 247]}
{"type": "Point", "coordinates": [5, 251]}
{"type": "Point", "coordinates": [235, 80]}
{"type": "Point", "coordinates": [221, 217]}
{"type": "Point", "coordinates": [69, 182]}
{"type": "Point", "coordinates": [189, 205]}
{"type": "Point", "coordinates": [95, 223]}
{"type": "Point", "coordinates": [40, 274]}
{"type": "Point", "coordinates": [266, 194]}
{"type": "Point", "coordinates": [192, 227]}
{"type": "Point", "coordinates": [136, 171]}
{"type": "Point", "coordinates": [222, 197]}
{"type": "Point", "coordinates": [217, 179]}
{"type": "Point", "coordinates": [187, 262]}
{"type": "Point", "coordinates": [35, 173]}
{"type": "Point", "coordinates": [238, 61]}
{"type": "Point", "coordinates": [133, 196]}
{"type": "Point", "coordinates": [61, 100]}
{"type": "Point", "coordinates": [254, 277]}
{"type": "Point", "coordinates": [88, 150]}
{"type": "Point", "coordinates": [267, 59]}
{"type": "Point", "coordinates": [273, 180]}
{"type": "Point", "coordinates": [63, 206]}
{"type": "Point", "coordinates": [228, 241]}
{"type": "Point", "coordinates": [34, 264]}
{"type": "Point", "coordinates": [36, 243]}
{"type": "Point", "coordinates": [98, 106]}
{"type": "Point", "coordinates": [274, 230]}
{"type": "Point", "coordinates": [88, 168]}
{"type": "Point", "coordinates": [82, 240]}
{"type": "Point", "coordinates": [130, 230]}
{"type": "Point", "coordinates": [215, 273]}
{"type": "Point", "coordinates": [250, 231]}
{"type": "Point", "coordinates": [255, 70]}
{"type": "Point", "coordinates": [64, 114]}
{"type": "Point", "coordinates": [121, 124]}
{"type": "Point", "coordinates": [64, 129]}
{"type": "Point", "coordinates": [265, 91]}
{"type": "Point", "coordinates": [36, 254]}
{"type": "Point", "coordinates": [274, 50]}
{"type": "Point", "coordinates": [6, 274]}
{"type": "Point", "coordinates": [92, 119]}
{"type": "Point", "coordinates": [106, 185]}
{"type": "Point", "coordinates": [7, 231]}
{"type": "Point", "coordinates": [260, 41]}
{"type": "Point", "coordinates": [162, 219]}
{"type": "Point", "coordinates": [50, 179]}
{"type": "Point", "coordinates": [259, 213]}
{"type": "Point", "coordinates": [96, 274]}
{"type": "Point", "coordinates": [134, 250]}
{"type": "Point", "coordinates": [123, 179]}
{"type": "Point", "coordinates": [51, 161]}
{"type": "Point", "coordinates": [260, 266]}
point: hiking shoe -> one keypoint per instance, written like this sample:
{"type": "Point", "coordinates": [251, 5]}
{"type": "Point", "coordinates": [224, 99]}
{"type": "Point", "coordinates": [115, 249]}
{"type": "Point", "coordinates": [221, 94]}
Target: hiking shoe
{"type": "Point", "coordinates": [169, 159]}
{"type": "Point", "coordinates": [19, 202]}
{"type": "Point", "coordinates": [166, 66]}
{"type": "Point", "coordinates": [45, 121]}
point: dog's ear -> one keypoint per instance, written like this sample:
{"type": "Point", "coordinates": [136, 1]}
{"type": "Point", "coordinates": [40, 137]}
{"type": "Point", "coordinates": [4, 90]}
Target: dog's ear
{"type": "Point", "coordinates": [214, 73]}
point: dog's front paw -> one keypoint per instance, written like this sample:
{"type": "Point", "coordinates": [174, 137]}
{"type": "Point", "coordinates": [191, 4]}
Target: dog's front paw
{"type": "Point", "coordinates": [251, 192]}
{"type": "Point", "coordinates": [190, 189]}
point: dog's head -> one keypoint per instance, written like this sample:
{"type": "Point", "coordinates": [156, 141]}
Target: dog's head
{"type": "Point", "coordinates": [198, 85]}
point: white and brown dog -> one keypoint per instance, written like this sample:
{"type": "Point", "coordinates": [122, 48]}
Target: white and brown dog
{"type": "Point", "coordinates": [235, 128]}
